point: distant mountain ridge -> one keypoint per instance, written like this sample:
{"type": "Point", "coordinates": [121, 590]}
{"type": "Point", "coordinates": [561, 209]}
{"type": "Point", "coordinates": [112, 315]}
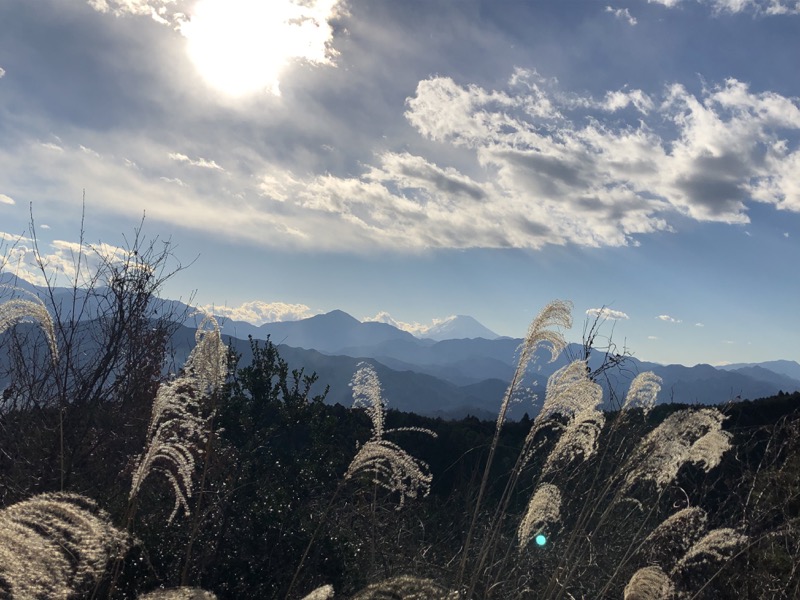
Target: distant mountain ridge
{"type": "Point", "coordinates": [455, 377]}
{"type": "Point", "coordinates": [459, 327]}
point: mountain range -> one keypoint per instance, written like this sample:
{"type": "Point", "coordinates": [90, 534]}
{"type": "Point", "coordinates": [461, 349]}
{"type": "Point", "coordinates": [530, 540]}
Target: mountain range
{"type": "Point", "coordinates": [452, 372]}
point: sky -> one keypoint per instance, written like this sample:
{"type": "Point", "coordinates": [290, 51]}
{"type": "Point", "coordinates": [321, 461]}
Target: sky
{"type": "Point", "coordinates": [408, 161]}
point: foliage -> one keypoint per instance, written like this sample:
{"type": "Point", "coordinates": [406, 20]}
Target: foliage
{"type": "Point", "coordinates": [645, 502]}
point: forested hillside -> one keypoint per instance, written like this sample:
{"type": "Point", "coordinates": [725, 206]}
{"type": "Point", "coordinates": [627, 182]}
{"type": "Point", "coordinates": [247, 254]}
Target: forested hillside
{"type": "Point", "coordinates": [233, 477]}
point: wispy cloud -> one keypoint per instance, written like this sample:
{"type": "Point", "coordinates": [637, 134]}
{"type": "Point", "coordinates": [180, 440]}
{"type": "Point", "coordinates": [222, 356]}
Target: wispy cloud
{"type": "Point", "coordinates": [417, 329]}
{"type": "Point", "coordinates": [607, 313]}
{"type": "Point", "coordinates": [537, 166]}
{"type": "Point", "coordinates": [699, 325]}
{"type": "Point", "coordinates": [668, 319]}
{"type": "Point", "coordinates": [2, 72]}
{"type": "Point", "coordinates": [60, 258]}
{"type": "Point", "coordinates": [199, 162]}
{"type": "Point", "coordinates": [622, 13]}
{"type": "Point", "coordinates": [258, 312]}
{"type": "Point", "coordinates": [6, 199]}
{"type": "Point", "coordinates": [652, 337]}
{"type": "Point", "coordinates": [757, 7]}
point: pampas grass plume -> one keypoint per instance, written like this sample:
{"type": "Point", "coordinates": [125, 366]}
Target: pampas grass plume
{"type": "Point", "coordinates": [544, 510]}
{"type": "Point", "coordinates": [179, 593]}
{"type": "Point", "coordinates": [649, 583]}
{"type": "Point", "coordinates": [407, 588]}
{"type": "Point", "coordinates": [18, 310]}
{"type": "Point", "coordinates": [54, 545]}
{"type": "Point", "coordinates": [321, 593]}
{"type": "Point", "coordinates": [176, 430]}
{"type": "Point", "coordinates": [684, 436]}
{"type": "Point", "coordinates": [643, 392]}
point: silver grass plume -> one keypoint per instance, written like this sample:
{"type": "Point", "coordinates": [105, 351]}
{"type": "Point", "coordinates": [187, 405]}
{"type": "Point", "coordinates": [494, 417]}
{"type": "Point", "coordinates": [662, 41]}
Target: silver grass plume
{"type": "Point", "coordinates": [572, 394]}
{"type": "Point", "coordinates": [713, 548]}
{"type": "Point", "coordinates": [321, 593]}
{"type": "Point", "coordinates": [643, 392]}
{"type": "Point", "coordinates": [570, 391]}
{"type": "Point", "coordinates": [391, 467]}
{"type": "Point", "coordinates": [674, 536]}
{"type": "Point", "coordinates": [367, 395]}
{"type": "Point", "coordinates": [18, 310]}
{"type": "Point", "coordinates": [557, 313]}
{"type": "Point", "coordinates": [54, 545]}
{"type": "Point", "coordinates": [179, 593]}
{"type": "Point", "coordinates": [406, 587]}
{"type": "Point", "coordinates": [177, 430]}
{"type": "Point", "coordinates": [648, 583]}
{"type": "Point", "coordinates": [684, 436]}
{"type": "Point", "coordinates": [579, 439]}
{"type": "Point", "coordinates": [544, 510]}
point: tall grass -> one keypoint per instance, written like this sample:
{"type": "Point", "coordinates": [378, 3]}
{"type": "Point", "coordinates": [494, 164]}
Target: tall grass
{"type": "Point", "coordinates": [582, 510]}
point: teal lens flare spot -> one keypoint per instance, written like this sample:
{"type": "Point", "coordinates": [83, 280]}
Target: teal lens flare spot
{"type": "Point", "coordinates": [541, 540]}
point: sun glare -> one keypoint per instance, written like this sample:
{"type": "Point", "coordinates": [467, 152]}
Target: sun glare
{"type": "Point", "coordinates": [241, 47]}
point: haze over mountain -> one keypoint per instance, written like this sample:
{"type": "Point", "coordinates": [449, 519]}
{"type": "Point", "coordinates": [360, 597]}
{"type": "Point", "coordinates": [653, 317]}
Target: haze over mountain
{"type": "Point", "coordinates": [450, 377]}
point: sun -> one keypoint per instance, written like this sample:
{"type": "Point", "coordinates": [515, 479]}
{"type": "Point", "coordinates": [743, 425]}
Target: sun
{"type": "Point", "coordinates": [241, 47]}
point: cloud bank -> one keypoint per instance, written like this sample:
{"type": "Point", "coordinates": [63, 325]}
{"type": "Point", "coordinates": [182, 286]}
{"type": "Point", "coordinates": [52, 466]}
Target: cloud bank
{"type": "Point", "coordinates": [757, 7]}
{"type": "Point", "coordinates": [258, 312]}
{"type": "Point", "coordinates": [607, 313]}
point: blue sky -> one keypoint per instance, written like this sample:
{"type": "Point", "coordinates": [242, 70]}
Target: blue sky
{"type": "Point", "coordinates": [413, 160]}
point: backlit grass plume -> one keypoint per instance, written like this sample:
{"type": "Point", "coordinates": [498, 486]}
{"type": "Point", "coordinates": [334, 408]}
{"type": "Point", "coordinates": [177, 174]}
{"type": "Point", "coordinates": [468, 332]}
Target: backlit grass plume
{"type": "Point", "coordinates": [177, 430]}
{"type": "Point", "coordinates": [674, 536]}
{"type": "Point", "coordinates": [716, 547]}
{"type": "Point", "coordinates": [643, 392]}
{"type": "Point", "coordinates": [54, 545]}
{"type": "Point", "coordinates": [686, 436]}
{"type": "Point", "coordinates": [648, 583]}
{"type": "Point", "coordinates": [18, 310]}
{"type": "Point", "coordinates": [179, 593]}
{"type": "Point", "coordinates": [321, 593]}
{"type": "Point", "coordinates": [406, 587]}
{"type": "Point", "coordinates": [544, 511]}
{"type": "Point", "coordinates": [390, 467]}
{"type": "Point", "coordinates": [542, 333]}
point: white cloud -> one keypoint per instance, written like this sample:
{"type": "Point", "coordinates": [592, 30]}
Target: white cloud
{"type": "Point", "coordinates": [607, 313]}
{"type": "Point", "coordinates": [652, 337]}
{"type": "Point", "coordinates": [668, 319]}
{"type": "Point", "coordinates": [6, 199]}
{"type": "Point", "coordinates": [699, 325]}
{"type": "Point", "coordinates": [622, 13]}
{"type": "Point", "coordinates": [44, 226]}
{"type": "Point", "coordinates": [199, 162]}
{"type": "Point", "coordinates": [786, 234]}
{"type": "Point", "coordinates": [174, 180]}
{"type": "Point", "coordinates": [416, 329]}
{"type": "Point", "coordinates": [258, 312]}
{"type": "Point", "coordinates": [549, 167]}
{"type": "Point", "coordinates": [89, 151]}
{"type": "Point", "coordinates": [61, 262]}
{"type": "Point", "coordinates": [757, 7]}
{"type": "Point", "coordinates": [52, 146]}
{"type": "Point", "coordinates": [2, 72]}
{"type": "Point", "coordinates": [166, 12]}
{"type": "Point", "coordinates": [241, 46]}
